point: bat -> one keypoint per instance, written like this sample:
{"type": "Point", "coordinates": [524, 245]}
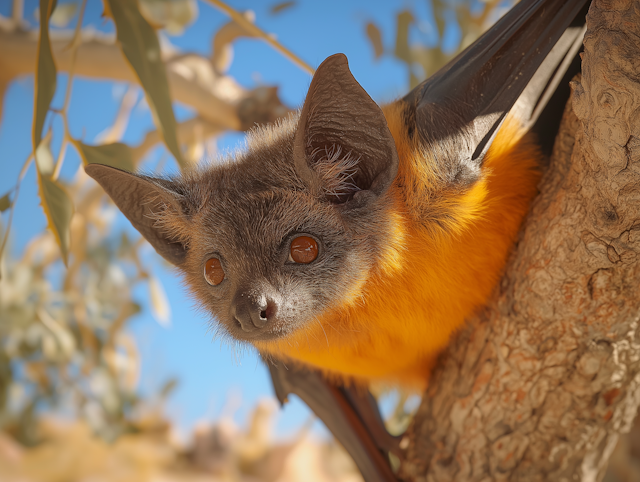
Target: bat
{"type": "Point", "coordinates": [350, 241]}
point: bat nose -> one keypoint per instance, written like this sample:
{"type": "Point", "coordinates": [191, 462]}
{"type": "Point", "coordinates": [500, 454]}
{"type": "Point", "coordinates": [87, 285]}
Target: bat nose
{"type": "Point", "coordinates": [252, 313]}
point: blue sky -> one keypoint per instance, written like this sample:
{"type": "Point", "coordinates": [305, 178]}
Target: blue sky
{"type": "Point", "coordinates": [208, 370]}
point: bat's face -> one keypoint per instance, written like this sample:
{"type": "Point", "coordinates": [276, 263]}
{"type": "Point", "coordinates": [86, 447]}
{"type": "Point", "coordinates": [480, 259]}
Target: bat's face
{"type": "Point", "coordinates": [268, 252]}
{"type": "Point", "coordinates": [288, 229]}
{"type": "Point", "coordinates": [268, 263]}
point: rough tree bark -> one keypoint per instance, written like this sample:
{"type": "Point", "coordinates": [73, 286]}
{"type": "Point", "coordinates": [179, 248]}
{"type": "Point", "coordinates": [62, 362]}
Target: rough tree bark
{"type": "Point", "coordinates": [543, 381]}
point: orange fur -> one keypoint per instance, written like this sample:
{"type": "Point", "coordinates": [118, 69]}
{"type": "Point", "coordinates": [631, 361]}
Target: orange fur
{"type": "Point", "coordinates": [447, 254]}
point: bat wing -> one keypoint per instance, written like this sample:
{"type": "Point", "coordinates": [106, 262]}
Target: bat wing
{"type": "Point", "coordinates": [351, 416]}
{"type": "Point", "coordinates": [515, 66]}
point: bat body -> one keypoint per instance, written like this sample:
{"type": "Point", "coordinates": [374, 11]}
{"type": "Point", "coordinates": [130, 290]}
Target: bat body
{"type": "Point", "coordinates": [356, 239]}
{"type": "Point", "coordinates": [444, 250]}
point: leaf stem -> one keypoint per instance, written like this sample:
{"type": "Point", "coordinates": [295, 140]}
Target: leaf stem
{"type": "Point", "coordinates": [73, 46]}
{"type": "Point", "coordinates": [17, 11]}
{"type": "Point", "coordinates": [23, 171]}
{"type": "Point", "coordinates": [63, 150]}
{"type": "Point", "coordinates": [257, 32]}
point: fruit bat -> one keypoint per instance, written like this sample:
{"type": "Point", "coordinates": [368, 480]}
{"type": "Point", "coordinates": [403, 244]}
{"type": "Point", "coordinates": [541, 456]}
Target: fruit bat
{"type": "Point", "coordinates": [350, 241]}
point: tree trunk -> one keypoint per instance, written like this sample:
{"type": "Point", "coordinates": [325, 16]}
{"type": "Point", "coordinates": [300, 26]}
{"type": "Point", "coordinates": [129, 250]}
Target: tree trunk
{"type": "Point", "coordinates": [542, 382]}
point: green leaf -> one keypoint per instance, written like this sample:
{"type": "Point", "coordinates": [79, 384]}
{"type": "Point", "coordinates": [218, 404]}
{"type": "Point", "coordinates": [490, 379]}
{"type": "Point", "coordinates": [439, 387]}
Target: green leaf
{"type": "Point", "coordinates": [45, 77]}
{"type": "Point", "coordinates": [403, 51]}
{"type": "Point", "coordinates": [6, 379]}
{"type": "Point", "coordinates": [63, 14]}
{"type": "Point", "coordinates": [5, 202]}
{"type": "Point", "coordinates": [58, 209]}
{"type": "Point", "coordinates": [414, 80]}
{"type": "Point", "coordinates": [116, 154]}
{"type": "Point", "coordinates": [430, 59]}
{"type": "Point", "coordinates": [375, 37]}
{"type": "Point", "coordinates": [159, 303]}
{"type": "Point", "coordinates": [140, 46]}
{"type": "Point", "coordinates": [439, 9]}
{"type": "Point", "coordinates": [44, 158]}
{"type": "Point", "coordinates": [168, 387]}
{"type": "Point", "coordinates": [280, 7]}
{"type": "Point", "coordinates": [222, 50]}
{"type": "Point", "coordinates": [172, 15]}
{"type": "Point", "coordinates": [125, 247]}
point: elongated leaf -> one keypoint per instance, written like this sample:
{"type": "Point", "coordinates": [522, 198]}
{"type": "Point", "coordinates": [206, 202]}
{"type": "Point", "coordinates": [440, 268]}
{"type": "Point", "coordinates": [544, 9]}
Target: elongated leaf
{"type": "Point", "coordinates": [281, 7]}
{"type": "Point", "coordinates": [140, 46]}
{"type": "Point", "coordinates": [44, 158]}
{"type": "Point", "coordinates": [431, 59]}
{"type": "Point", "coordinates": [63, 14]}
{"type": "Point", "coordinates": [402, 51]}
{"type": "Point", "coordinates": [439, 8]}
{"type": "Point", "coordinates": [58, 208]}
{"type": "Point", "coordinates": [5, 203]}
{"type": "Point", "coordinates": [168, 387]}
{"type": "Point", "coordinates": [6, 379]}
{"type": "Point", "coordinates": [45, 78]}
{"type": "Point", "coordinates": [159, 304]}
{"type": "Point", "coordinates": [116, 154]}
{"type": "Point", "coordinates": [172, 15]}
{"type": "Point", "coordinates": [222, 50]}
{"type": "Point", "coordinates": [375, 37]}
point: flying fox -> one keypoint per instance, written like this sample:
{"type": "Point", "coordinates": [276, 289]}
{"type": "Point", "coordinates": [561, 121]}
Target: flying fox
{"type": "Point", "coordinates": [349, 242]}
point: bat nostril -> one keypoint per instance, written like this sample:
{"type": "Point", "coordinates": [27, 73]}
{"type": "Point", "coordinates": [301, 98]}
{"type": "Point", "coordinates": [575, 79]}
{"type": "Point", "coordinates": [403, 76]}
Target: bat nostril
{"type": "Point", "coordinates": [252, 312]}
{"type": "Point", "coordinates": [265, 314]}
{"type": "Point", "coordinates": [269, 311]}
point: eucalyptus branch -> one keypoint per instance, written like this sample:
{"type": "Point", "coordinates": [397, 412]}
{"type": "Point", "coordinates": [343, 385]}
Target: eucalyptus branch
{"type": "Point", "coordinates": [23, 171]}
{"type": "Point", "coordinates": [115, 132]}
{"type": "Point", "coordinates": [258, 33]}
{"type": "Point", "coordinates": [17, 10]}
{"type": "Point", "coordinates": [193, 130]}
{"type": "Point", "coordinates": [3, 87]}
{"type": "Point", "coordinates": [192, 79]}
{"type": "Point", "coordinates": [489, 7]}
{"type": "Point", "coordinates": [73, 46]}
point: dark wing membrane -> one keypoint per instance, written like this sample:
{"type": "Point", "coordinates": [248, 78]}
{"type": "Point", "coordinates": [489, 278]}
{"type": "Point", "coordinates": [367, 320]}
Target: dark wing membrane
{"type": "Point", "coordinates": [352, 417]}
{"type": "Point", "coordinates": [520, 59]}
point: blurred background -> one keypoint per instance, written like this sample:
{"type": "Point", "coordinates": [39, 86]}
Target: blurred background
{"type": "Point", "coordinates": [107, 371]}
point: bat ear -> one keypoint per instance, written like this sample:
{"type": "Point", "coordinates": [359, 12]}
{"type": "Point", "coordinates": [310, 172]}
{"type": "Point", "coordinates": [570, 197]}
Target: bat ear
{"type": "Point", "coordinates": [141, 199]}
{"type": "Point", "coordinates": [342, 143]}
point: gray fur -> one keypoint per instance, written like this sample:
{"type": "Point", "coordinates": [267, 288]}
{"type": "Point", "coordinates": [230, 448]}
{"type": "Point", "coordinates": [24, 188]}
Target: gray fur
{"type": "Point", "coordinates": [245, 211]}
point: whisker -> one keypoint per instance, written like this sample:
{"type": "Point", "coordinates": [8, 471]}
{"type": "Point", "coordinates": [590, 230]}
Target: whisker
{"type": "Point", "coordinates": [325, 333]}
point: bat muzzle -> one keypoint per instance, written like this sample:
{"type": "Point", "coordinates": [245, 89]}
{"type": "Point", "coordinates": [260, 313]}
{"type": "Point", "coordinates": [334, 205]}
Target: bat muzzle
{"type": "Point", "coordinates": [253, 313]}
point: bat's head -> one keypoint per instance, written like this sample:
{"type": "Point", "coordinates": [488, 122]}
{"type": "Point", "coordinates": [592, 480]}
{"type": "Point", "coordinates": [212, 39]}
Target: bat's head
{"type": "Point", "coordinates": [291, 227]}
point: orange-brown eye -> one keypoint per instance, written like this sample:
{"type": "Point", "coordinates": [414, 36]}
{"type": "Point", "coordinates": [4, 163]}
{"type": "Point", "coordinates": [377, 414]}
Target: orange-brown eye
{"type": "Point", "coordinates": [213, 272]}
{"type": "Point", "coordinates": [304, 249]}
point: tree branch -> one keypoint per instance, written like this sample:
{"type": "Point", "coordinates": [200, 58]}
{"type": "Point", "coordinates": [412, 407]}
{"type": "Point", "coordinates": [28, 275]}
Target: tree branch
{"type": "Point", "coordinates": [188, 132]}
{"type": "Point", "coordinates": [17, 10]}
{"type": "Point", "coordinates": [3, 89]}
{"type": "Point", "coordinates": [544, 380]}
{"type": "Point", "coordinates": [258, 33]}
{"type": "Point", "coordinates": [216, 98]}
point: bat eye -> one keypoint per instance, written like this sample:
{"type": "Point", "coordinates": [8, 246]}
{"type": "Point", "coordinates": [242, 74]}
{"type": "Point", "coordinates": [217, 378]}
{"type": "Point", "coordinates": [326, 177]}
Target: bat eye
{"type": "Point", "coordinates": [213, 272]}
{"type": "Point", "coordinates": [304, 249]}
